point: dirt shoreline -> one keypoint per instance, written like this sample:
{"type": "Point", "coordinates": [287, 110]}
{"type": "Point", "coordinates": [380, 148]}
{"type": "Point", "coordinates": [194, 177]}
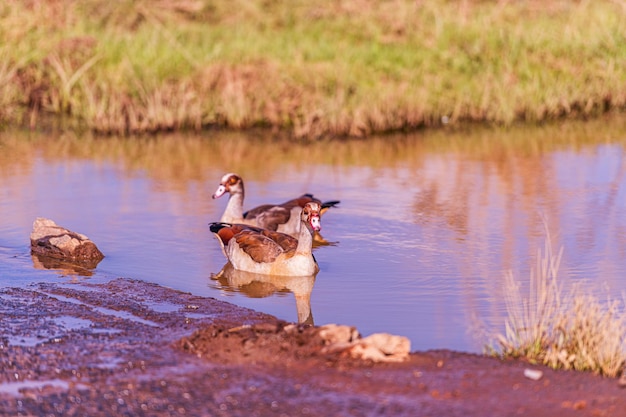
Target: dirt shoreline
{"type": "Point", "coordinates": [124, 348]}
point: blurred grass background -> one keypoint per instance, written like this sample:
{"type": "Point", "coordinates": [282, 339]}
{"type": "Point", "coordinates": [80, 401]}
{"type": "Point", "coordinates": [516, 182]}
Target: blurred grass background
{"type": "Point", "coordinates": [310, 69]}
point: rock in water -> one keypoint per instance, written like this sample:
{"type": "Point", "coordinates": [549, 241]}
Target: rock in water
{"type": "Point", "coordinates": [49, 239]}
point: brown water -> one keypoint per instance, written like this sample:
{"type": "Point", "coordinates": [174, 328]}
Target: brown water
{"type": "Point", "coordinates": [428, 225]}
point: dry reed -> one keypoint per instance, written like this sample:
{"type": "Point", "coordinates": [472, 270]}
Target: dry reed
{"type": "Point", "coordinates": [574, 331]}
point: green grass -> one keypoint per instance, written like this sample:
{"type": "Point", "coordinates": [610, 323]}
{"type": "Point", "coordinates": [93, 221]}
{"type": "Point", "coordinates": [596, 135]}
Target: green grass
{"type": "Point", "coordinates": [312, 69]}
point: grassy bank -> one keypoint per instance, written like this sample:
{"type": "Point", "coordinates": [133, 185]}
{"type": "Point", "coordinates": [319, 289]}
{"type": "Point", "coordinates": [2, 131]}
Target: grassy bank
{"type": "Point", "coordinates": [562, 329]}
{"type": "Point", "coordinates": [325, 68]}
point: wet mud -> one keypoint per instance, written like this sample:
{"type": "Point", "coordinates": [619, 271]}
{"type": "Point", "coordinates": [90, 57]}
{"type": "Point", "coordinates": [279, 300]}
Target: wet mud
{"type": "Point", "coordinates": [137, 349]}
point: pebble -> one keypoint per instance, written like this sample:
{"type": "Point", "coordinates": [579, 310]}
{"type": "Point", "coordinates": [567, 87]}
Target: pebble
{"type": "Point", "coordinates": [533, 374]}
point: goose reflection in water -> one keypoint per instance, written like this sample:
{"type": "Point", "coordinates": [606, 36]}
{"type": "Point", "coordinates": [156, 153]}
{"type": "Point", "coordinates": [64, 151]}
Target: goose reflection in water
{"type": "Point", "coordinates": [319, 241]}
{"type": "Point", "coordinates": [261, 285]}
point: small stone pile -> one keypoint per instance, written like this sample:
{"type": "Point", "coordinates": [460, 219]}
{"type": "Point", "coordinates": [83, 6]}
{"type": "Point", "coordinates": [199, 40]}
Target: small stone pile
{"type": "Point", "coordinates": [377, 347]}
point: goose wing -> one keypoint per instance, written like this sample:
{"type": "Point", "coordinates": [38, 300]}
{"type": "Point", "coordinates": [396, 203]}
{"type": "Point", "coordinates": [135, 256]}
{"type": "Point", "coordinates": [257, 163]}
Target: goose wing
{"type": "Point", "coordinates": [287, 242]}
{"type": "Point", "coordinates": [259, 247]}
{"type": "Point", "coordinates": [270, 217]}
{"type": "Point", "coordinates": [307, 198]}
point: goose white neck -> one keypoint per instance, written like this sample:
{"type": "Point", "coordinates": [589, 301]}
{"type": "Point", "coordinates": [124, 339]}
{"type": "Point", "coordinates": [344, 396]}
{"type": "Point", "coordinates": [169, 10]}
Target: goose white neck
{"type": "Point", "coordinates": [305, 239]}
{"type": "Point", "coordinates": [234, 208]}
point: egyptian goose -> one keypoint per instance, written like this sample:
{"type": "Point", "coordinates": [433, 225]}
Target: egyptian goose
{"type": "Point", "coordinates": [263, 251]}
{"type": "Point", "coordinates": [284, 218]}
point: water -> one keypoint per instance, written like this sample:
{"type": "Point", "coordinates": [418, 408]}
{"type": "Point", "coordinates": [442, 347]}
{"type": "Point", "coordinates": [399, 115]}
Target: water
{"type": "Point", "coordinates": [427, 228]}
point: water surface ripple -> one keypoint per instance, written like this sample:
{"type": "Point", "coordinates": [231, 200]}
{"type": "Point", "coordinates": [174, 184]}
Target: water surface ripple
{"type": "Point", "coordinates": [427, 227]}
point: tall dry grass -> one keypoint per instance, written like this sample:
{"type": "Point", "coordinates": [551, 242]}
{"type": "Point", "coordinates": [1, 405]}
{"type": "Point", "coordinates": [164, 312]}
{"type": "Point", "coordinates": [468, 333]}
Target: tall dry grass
{"type": "Point", "coordinates": [564, 330]}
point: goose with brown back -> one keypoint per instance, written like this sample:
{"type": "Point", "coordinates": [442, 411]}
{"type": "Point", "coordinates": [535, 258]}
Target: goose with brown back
{"type": "Point", "coordinates": [284, 218]}
{"type": "Point", "coordinates": [265, 251]}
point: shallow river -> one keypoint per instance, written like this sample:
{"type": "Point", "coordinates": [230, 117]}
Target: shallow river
{"type": "Point", "coordinates": [428, 227]}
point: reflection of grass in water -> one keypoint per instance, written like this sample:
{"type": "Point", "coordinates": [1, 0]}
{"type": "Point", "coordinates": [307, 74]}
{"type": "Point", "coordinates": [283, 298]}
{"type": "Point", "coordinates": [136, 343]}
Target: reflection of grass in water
{"type": "Point", "coordinates": [259, 154]}
{"type": "Point", "coordinates": [576, 331]}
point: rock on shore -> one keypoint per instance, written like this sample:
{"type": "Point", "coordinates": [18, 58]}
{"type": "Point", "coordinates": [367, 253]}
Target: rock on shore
{"type": "Point", "coordinates": [132, 348]}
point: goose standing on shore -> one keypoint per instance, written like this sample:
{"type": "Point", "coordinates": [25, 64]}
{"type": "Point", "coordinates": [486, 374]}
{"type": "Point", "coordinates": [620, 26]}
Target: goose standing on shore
{"type": "Point", "coordinates": [284, 218]}
{"type": "Point", "coordinates": [264, 251]}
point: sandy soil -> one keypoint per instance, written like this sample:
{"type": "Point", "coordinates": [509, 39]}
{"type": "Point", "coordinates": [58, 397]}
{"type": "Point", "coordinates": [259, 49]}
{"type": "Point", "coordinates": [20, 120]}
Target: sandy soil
{"type": "Point", "coordinates": [136, 349]}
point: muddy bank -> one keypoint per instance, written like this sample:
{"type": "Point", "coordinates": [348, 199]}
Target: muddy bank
{"type": "Point", "coordinates": [137, 349]}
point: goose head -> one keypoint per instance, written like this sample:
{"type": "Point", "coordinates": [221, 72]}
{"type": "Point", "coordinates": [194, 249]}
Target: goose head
{"type": "Point", "coordinates": [311, 216]}
{"type": "Point", "coordinates": [230, 183]}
